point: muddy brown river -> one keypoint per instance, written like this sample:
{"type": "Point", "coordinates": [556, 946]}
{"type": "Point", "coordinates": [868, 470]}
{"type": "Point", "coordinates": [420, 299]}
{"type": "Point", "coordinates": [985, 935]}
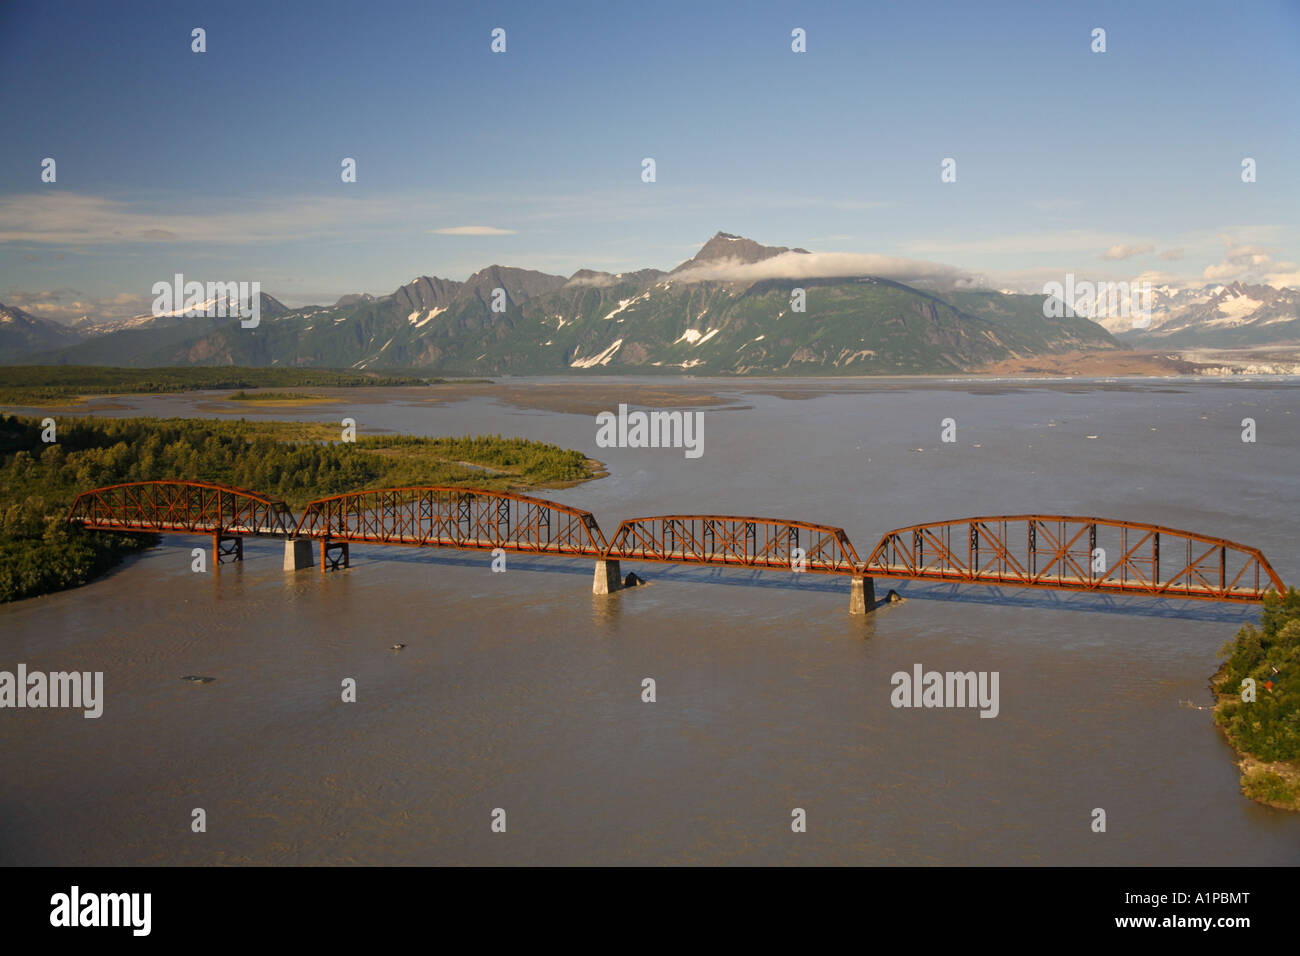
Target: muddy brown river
{"type": "Point", "coordinates": [523, 691]}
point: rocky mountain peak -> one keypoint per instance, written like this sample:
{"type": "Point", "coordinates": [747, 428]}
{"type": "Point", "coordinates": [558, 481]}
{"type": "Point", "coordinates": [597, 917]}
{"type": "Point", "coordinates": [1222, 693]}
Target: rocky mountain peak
{"type": "Point", "coordinates": [725, 246]}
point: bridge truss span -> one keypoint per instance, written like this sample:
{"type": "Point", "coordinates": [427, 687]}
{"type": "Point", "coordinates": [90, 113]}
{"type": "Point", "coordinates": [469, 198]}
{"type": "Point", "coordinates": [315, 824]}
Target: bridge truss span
{"type": "Point", "coordinates": [447, 516]}
{"type": "Point", "coordinates": [1075, 554]}
{"type": "Point", "coordinates": [735, 541]}
{"type": "Point", "coordinates": [1058, 552]}
{"type": "Point", "coordinates": [183, 507]}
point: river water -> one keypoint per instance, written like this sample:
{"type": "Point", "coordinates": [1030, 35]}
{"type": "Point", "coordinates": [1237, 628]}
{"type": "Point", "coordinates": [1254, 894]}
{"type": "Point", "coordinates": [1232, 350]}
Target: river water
{"type": "Point", "coordinates": [523, 691]}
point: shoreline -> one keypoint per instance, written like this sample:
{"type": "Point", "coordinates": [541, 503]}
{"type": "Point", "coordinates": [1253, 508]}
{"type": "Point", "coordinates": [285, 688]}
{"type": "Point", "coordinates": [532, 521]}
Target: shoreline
{"type": "Point", "coordinates": [1255, 773]}
{"type": "Point", "coordinates": [592, 395]}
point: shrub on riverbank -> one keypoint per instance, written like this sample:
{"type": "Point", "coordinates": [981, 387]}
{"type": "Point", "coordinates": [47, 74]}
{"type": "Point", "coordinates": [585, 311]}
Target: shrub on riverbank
{"type": "Point", "coordinates": [40, 552]}
{"type": "Point", "coordinates": [1269, 787]}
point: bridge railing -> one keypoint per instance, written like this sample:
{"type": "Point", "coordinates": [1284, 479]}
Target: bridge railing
{"type": "Point", "coordinates": [187, 507]}
{"type": "Point", "coordinates": [449, 516]}
{"type": "Point", "coordinates": [735, 541]}
{"type": "Point", "coordinates": [1075, 553]}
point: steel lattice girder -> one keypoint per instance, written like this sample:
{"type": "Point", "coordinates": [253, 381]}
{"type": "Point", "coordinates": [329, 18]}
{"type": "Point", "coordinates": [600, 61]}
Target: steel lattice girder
{"type": "Point", "coordinates": [186, 507]}
{"type": "Point", "coordinates": [447, 516]}
{"type": "Point", "coordinates": [1076, 554]}
{"type": "Point", "coordinates": [735, 541]}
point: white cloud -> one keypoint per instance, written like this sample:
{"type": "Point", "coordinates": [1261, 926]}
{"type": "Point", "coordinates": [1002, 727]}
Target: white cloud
{"type": "Point", "coordinates": [472, 231]}
{"type": "Point", "coordinates": [1122, 251]}
{"type": "Point", "coordinates": [599, 280]}
{"type": "Point", "coordinates": [1241, 261]}
{"type": "Point", "coordinates": [1245, 259]}
{"type": "Point", "coordinates": [1287, 276]}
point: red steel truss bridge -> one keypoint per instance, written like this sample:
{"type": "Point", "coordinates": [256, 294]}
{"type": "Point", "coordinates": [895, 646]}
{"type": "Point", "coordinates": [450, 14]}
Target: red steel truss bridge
{"type": "Point", "coordinates": [185, 507]}
{"type": "Point", "coordinates": [1059, 552]}
{"type": "Point", "coordinates": [449, 517]}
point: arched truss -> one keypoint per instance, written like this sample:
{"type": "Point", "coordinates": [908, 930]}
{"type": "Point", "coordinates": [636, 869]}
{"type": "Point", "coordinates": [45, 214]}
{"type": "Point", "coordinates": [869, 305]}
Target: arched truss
{"type": "Point", "coordinates": [1075, 554]}
{"type": "Point", "coordinates": [439, 516]}
{"type": "Point", "coordinates": [734, 541]}
{"type": "Point", "coordinates": [186, 507]}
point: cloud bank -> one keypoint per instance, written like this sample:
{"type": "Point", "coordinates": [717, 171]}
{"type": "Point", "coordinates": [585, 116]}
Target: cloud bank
{"type": "Point", "coordinates": [1243, 262]}
{"type": "Point", "coordinates": [70, 305]}
{"type": "Point", "coordinates": [74, 218]}
{"type": "Point", "coordinates": [825, 265]}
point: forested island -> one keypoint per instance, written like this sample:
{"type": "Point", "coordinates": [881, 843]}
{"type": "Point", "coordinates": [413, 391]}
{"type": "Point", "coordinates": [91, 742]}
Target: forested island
{"type": "Point", "coordinates": [296, 461]}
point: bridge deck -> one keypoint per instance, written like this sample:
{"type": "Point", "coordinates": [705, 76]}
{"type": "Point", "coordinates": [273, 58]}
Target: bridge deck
{"type": "Point", "coordinates": [1068, 583]}
{"type": "Point", "coordinates": [472, 544]}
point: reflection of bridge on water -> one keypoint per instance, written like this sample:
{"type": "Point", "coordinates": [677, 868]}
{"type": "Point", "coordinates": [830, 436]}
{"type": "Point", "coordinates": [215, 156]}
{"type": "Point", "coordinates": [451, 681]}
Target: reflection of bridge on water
{"type": "Point", "coordinates": [1058, 552]}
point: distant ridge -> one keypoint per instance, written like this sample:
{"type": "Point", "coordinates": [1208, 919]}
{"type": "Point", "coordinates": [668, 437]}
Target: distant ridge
{"type": "Point", "coordinates": [646, 321]}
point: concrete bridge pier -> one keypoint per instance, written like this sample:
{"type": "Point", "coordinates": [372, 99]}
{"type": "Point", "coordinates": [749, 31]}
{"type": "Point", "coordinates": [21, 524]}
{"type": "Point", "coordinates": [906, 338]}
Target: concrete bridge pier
{"type": "Point", "coordinates": [862, 595]}
{"type": "Point", "coordinates": [297, 554]}
{"type": "Point", "coordinates": [608, 577]}
{"type": "Point", "coordinates": [226, 547]}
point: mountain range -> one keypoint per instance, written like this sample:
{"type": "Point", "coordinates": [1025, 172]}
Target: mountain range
{"type": "Point", "coordinates": [699, 317]}
{"type": "Point", "coordinates": [1234, 315]}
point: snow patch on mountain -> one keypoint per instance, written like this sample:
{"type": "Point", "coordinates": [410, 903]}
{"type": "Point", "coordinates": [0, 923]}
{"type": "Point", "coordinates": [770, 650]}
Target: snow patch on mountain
{"type": "Point", "coordinates": [625, 303]}
{"type": "Point", "coordinates": [433, 314]}
{"type": "Point", "coordinates": [602, 358]}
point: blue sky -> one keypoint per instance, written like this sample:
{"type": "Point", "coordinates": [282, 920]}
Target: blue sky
{"type": "Point", "coordinates": [226, 164]}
